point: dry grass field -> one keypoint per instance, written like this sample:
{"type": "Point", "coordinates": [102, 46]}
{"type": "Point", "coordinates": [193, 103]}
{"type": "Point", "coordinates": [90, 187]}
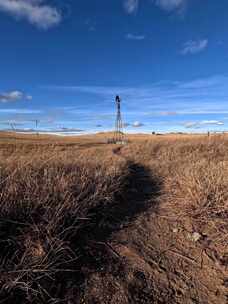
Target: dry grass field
{"type": "Point", "coordinates": [82, 221]}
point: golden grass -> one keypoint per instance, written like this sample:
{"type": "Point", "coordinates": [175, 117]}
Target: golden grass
{"type": "Point", "coordinates": [61, 196]}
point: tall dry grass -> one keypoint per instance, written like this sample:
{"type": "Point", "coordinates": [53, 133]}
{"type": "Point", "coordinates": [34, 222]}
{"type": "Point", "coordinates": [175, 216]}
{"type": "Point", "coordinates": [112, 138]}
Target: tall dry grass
{"type": "Point", "coordinates": [46, 199]}
{"type": "Point", "coordinates": [49, 194]}
{"type": "Point", "coordinates": [194, 172]}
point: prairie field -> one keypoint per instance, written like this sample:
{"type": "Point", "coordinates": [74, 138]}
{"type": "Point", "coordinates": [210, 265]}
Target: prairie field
{"type": "Point", "coordinates": [82, 221]}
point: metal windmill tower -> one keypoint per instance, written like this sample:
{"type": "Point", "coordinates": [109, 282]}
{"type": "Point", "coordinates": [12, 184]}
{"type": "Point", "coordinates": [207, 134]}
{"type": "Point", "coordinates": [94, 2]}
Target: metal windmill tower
{"type": "Point", "coordinates": [37, 122]}
{"type": "Point", "coordinates": [118, 134]}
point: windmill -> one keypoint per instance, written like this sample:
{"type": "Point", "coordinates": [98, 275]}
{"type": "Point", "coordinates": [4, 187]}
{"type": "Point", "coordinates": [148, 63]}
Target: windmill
{"type": "Point", "coordinates": [12, 125]}
{"type": "Point", "coordinates": [119, 137]}
{"type": "Point", "coordinates": [37, 122]}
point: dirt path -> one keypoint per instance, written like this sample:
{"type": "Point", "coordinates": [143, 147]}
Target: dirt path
{"type": "Point", "coordinates": [137, 255]}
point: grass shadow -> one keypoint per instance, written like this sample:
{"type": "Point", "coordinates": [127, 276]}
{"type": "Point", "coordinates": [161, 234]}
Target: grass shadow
{"type": "Point", "coordinates": [138, 195]}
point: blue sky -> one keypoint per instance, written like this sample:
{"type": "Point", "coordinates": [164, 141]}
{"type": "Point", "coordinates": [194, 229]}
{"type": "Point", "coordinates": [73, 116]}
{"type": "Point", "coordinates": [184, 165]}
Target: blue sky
{"type": "Point", "coordinates": [63, 62]}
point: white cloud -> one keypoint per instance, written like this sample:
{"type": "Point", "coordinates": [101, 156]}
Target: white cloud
{"type": "Point", "coordinates": [170, 5]}
{"type": "Point", "coordinates": [131, 6]}
{"type": "Point", "coordinates": [191, 125]}
{"type": "Point", "coordinates": [137, 124]}
{"type": "Point", "coordinates": [200, 124]}
{"type": "Point", "coordinates": [14, 96]}
{"type": "Point", "coordinates": [194, 47]}
{"type": "Point", "coordinates": [194, 97]}
{"type": "Point", "coordinates": [212, 122]}
{"type": "Point", "coordinates": [19, 111]}
{"type": "Point", "coordinates": [65, 130]}
{"type": "Point", "coordinates": [168, 113]}
{"type": "Point", "coordinates": [35, 12]}
{"type": "Point", "coordinates": [135, 37]}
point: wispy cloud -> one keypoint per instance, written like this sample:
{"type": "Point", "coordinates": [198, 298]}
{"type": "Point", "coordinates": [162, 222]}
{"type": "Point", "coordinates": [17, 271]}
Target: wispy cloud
{"type": "Point", "coordinates": [168, 113]}
{"type": "Point", "coordinates": [14, 96]}
{"type": "Point", "coordinates": [195, 97]}
{"type": "Point", "coordinates": [131, 6]}
{"type": "Point", "coordinates": [66, 129]}
{"type": "Point", "coordinates": [194, 47]}
{"type": "Point", "coordinates": [20, 111]}
{"type": "Point", "coordinates": [137, 124]}
{"type": "Point", "coordinates": [36, 12]}
{"type": "Point", "coordinates": [130, 36]}
{"type": "Point", "coordinates": [203, 123]}
{"type": "Point", "coordinates": [171, 5]}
